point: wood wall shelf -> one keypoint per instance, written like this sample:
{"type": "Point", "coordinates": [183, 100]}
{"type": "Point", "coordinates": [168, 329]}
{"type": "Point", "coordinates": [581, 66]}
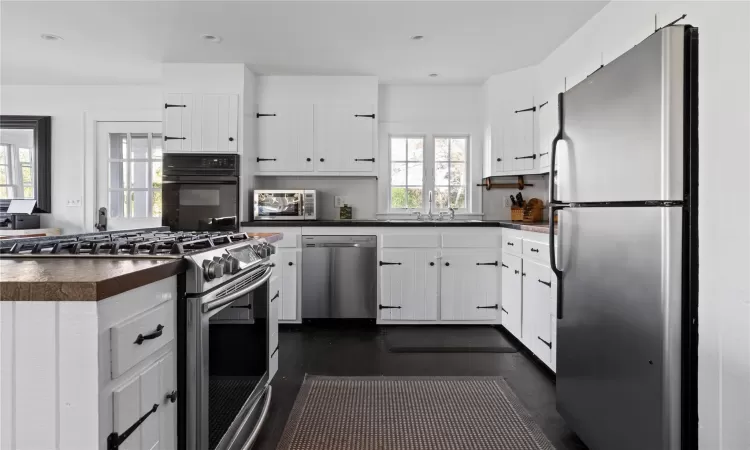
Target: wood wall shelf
{"type": "Point", "coordinates": [489, 185]}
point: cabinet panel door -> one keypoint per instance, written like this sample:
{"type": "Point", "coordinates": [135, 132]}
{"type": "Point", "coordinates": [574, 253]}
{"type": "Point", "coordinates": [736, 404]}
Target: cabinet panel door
{"type": "Point", "coordinates": [522, 140]}
{"type": "Point", "coordinates": [285, 139]}
{"type": "Point", "coordinates": [409, 288]}
{"type": "Point", "coordinates": [168, 410]}
{"type": "Point", "coordinates": [498, 149]}
{"type": "Point", "coordinates": [178, 123]}
{"type": "Point", "coordinates": [289, 260]}
{"type": "Point", "coordinates": [470, 285]}
{"type": "Point", "coordinates": [511, 294]}
{"type": "Point", "coordinates": [548, 127]}
{"type": "Point", "coordinates": [344, 141]}
{"type": "Point", "coordinates": [219, 117]}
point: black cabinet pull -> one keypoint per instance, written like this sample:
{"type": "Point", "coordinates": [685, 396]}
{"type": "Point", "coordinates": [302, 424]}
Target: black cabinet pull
{"type": "Point", "coordinates": [114, 440]}
{"type": "Point", "coordinates": [542, 154]}
{"type": "Point", "coordinates": [432, 263]}
{"type": "Point", "coordinates": [506, 312]}
{"type": "Point", "coordinates": [153, 335]}
{"type": "Point", "coordinates": [291, 263]}
{"type": "Point", "coordinates": [259, 115]}
{"type": "Point", "coordinates": [383, 263]}
{"type": "Point", "coordinates": [542, 105]}
{"type": "Point", "coordinates": [273, 264]}
{"type": "Point", "coordinates": [168, 105]}
{"type": "Point", "coordinates": [516, 272]}
{"type": "Point", "coordinates": [527, 157]}
{"type": "Point", "coordinates": [488, 307]}
{"type": "Point", "coordinates": [371, 116]}
{"type": "Point", "coordinates": [171, 397]}
{"type": "Point", "coordinates": [275, 296]}
{"type": "Point", "coordinates": [322, 159]}
{"type": "Point", "coordinates": [533, 108]}
{"type": "Point", "coordinates": [488, 264]}
{"type": "Point", "coordinates": [546, 283]}
{"type": "Point", "coordinates": [535, 250]}
{"type": "Point", "coordinates": [447, 264]}
{"type": "Point", "coordinates": [510, 244]}
{"type": "Point", "coordinates": [523, 274]}
{"type": "Point", "coordinates": [308, 159]}
{"type": "Point", "coordinates": [505, 266]}
{"type": "Point", "coordinates": [365, 159]}
{"type": "Point", "coordinates": [231, 139]}
{"type": "Point", "coordinates": [264, 159]}
{"type": "Point", "coordinates": [548, 344]}
{"type": "Point", "coordinates": [499, 159]}
{"type": "Point", "coordinates": [171, 138]}
{"type": "Point", "coordinates": [388, 307]}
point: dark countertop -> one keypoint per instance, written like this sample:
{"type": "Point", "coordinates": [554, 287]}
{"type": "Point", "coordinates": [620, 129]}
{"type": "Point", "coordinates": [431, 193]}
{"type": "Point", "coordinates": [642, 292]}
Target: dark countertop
{"type": "Point", "coordinates": [85, 278]}
{"type": "Point", "coordinates": [79, 279]}
{"type": "Point", "coordinates": [542, 227]}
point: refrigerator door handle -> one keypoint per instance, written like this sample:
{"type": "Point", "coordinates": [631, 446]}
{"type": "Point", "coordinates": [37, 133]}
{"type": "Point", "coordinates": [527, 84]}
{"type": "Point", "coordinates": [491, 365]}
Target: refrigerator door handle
{"type": "Point", "coordinates": [555, 205]}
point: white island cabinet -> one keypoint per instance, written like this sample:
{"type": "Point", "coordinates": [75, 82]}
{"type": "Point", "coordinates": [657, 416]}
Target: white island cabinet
{"type": "Point", "coordinates": [72, 373]}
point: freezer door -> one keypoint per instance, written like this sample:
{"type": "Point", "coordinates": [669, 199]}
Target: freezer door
{"type": "Point", "coordinates": [623, 127]}
{"type": "Point", "coordinates": [619, 339]}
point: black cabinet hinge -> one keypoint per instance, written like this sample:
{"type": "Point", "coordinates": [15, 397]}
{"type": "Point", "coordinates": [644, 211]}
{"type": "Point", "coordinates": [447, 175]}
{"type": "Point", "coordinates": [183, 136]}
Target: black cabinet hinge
{"type": "Point", "coordinates": [542, 105]}
{"type": "Point", "coordinates": [546, 283]}
{"type": "Point", "coordinates": [534, 250]}
{"type": "Point", "coordinates": [388, 307]}
{"type": "Point", "coordinates": [506, 312]}
{"type": "Point", "coordinates": [371, 116]}
{"type": "Point", "coordinates": [365, 159]}
{"type": "Point", "coordinates": [533, 108]}
{"type": "Point", "coordinates": [542, 154]}
{"type": "Point", "coordinates": [153, 335]}
{"type": "Point", "coordinates": [488, 264]}
{"type": "Point", "coordinates": [171, 397]}
{"type": "Point", "coordinates": [168, 105]}
{"type": "Point", "coordinates": [276, 296]}
{"type": "Point", "coordinates": [264, 159]}
{"type": "Point", "coordinates": [275, 351]}
{"type": "Point", "coordinates": [548, 344]}
{"type": "Point", "coordinates": [383, 263]}
{"type": "Point", "coordinates": [259, 115]}
{"type": "Point", "coordinates": [488, 307]}
{"type": "Point", "coordinates": [170, 138]}
{"type": "Point", "coordinates": [533, 156]}
{"type": "Point", "coordinates": [114, 440]}
{"type": "Point", "coordinates": [505, 266]}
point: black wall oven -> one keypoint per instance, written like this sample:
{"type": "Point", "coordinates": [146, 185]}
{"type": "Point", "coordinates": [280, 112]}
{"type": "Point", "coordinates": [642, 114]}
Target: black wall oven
{"type": "Point", "coordinates": [201, 192]}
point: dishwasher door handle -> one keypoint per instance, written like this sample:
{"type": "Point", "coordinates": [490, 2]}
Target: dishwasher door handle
{"type": "Point", "coordinates": [335, 245]}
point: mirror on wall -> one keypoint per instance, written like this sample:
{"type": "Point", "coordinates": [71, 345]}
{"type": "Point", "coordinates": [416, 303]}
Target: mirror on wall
{"type": "Point", "coordinates": [25, 143]}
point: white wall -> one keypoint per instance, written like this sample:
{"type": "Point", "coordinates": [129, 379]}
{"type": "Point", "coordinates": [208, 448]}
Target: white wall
{"type": "Point", "coordinates": [431, 110]}
{"type": "Point", "coordinates": [67, 105]}
{"type": "Point", "coordinates": [724, 192]}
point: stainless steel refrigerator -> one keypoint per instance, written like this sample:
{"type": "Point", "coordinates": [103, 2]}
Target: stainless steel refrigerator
{"type": "Point", "coordinates": [626, 255]}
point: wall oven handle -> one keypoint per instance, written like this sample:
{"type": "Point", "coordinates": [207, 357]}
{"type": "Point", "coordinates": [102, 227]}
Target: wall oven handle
{"type": "Point", "coordinates": [219, 302]}
{"type": "Point", "coordinates": [261, 420]}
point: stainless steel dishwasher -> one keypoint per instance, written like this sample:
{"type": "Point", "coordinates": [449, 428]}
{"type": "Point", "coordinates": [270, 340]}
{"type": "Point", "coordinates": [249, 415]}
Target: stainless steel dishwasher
{"type": "Point", "coordinates": [339, 277]}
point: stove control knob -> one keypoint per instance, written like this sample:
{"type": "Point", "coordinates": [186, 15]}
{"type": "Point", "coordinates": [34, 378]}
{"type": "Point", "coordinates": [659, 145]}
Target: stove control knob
{"type": "Point", "coordinates": [212, 270]}
{"type": "Point", "coordinates": [233, 264]}
{"type": "Point", "coordinates": [222, 261]}
{"type": "Point", "coordinates": [271, 249]}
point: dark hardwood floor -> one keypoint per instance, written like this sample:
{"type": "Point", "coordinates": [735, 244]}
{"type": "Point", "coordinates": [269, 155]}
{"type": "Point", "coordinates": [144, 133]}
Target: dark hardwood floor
{"type": "Point", "coordinates": [360, 351]}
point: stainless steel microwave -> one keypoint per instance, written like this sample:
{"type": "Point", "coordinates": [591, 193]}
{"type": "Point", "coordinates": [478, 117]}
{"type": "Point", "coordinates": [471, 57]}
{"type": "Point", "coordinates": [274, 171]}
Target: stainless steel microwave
{"type": "Point", "coordinates": [283, 204]}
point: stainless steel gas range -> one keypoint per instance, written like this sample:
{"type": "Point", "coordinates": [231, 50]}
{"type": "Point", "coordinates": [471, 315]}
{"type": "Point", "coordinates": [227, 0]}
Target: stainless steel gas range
{"type": "Point", "coordinates": [225, 323]}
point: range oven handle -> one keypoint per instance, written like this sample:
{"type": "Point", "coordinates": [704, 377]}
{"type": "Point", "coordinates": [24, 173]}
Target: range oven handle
{"type": "Point", "coordinates": [261, 420]}
{"type": "Point", "coordinates": [219, 302]}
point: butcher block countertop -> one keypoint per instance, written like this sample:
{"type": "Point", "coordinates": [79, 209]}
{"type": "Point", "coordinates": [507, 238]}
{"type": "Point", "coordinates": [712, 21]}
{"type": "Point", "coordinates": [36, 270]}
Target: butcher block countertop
{"type": "Point", "coordinates": [84, 278]}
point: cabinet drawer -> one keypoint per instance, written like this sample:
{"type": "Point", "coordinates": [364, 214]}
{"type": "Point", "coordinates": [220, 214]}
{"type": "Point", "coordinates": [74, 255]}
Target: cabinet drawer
{"type": "Point", "coordinates": [132, 341]}
{"type": "Point", "coordinates": [513, 244]}
{"type": "Point", "coordinates": [463, 240]}
{"type": "Point", "coordinates": [535, 249]}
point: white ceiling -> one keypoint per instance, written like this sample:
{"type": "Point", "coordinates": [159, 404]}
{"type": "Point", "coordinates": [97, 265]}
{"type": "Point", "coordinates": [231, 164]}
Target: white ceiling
{"type": "Point", "coordinates": [126, 41]}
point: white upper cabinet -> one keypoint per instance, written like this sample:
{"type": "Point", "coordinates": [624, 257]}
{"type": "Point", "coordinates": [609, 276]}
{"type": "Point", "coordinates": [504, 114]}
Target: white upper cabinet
{"type": "Point", "coordinates": [201, 123]}
{"type": "Point", "coordinates": [344, 138]}
{"type": "Point", "coordinates": [519, 149]}
{"type": "Point", "coordinates": [285, 138]}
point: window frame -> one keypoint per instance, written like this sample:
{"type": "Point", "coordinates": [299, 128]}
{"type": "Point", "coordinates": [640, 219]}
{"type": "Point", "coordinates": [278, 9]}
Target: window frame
{"type": "Point", "coordinates": [428, 175]}
{"type": "Point", "coordinates": [128, 190]}
{"type": "Point", "coordinates": [465, 162]}
{"type": "Point", "coordinates": [424, 161]}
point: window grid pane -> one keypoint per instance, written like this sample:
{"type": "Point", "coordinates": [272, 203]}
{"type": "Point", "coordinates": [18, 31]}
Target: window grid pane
{"type": "Point", "coordinates": [450, 172]}
{"type": "Point", "coordinates": [135, 175]}
{"type": "Point", "coordinates": [407, 172]}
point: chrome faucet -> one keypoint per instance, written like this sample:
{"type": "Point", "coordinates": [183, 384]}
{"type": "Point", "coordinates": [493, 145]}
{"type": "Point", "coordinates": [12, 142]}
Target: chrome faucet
{"type": "Point", "coordinates": [429, 203]}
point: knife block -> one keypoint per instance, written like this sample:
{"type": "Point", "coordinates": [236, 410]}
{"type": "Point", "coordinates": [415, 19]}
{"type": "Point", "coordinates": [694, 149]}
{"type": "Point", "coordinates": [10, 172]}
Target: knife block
{"type": "Point", "coordinates": [516, 214]}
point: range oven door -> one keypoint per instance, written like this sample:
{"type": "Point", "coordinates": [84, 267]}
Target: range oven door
{"type": "Point", "coordinates": [191, 203]}
{"type": "Point", "coordinates": [226, 380]}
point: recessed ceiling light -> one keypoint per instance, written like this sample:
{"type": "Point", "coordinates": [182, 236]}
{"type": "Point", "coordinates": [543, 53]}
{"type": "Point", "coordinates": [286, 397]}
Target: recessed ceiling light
{"type": "Point", "coordinates": [432, 75]}
{"type": "Point", "coordinates": [211, 38]}
{"type": "Point", "coordinates": [51, 37]}
{"type": "Point", "coordinates": [417, 37]}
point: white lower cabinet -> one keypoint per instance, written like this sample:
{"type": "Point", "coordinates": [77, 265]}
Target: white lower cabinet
{"type": "Point", "coordinates": [142, 393]}
{"type": "Point", "coordinates": [408, 284]}
{"type": "Point", "coordinates": [274, 291]}
{"type": "Point", "coordinates": [469, 285]}
{"type": "Point", "coordinates": [288, 267]}
{"type": "Point", "coordinates": [511, 294]}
